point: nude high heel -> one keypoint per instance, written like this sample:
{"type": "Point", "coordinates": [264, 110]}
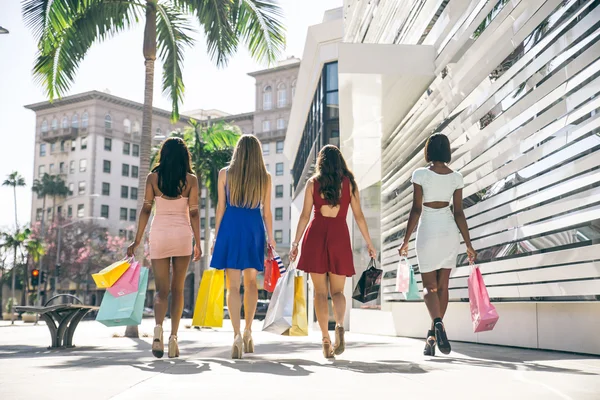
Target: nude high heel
{"type": "Point", "coordinates": [248, 342]}
{"type": "Point", "coordinates": [237, 348]}
{"type": "Point", "coordinates": [158, 346]}
{"type": "Point", "coordinates": [340, 343]}
{"type": "Point", "coordinates": [173, 347]}
{"type": "Point", "coordinates": [327, 348]}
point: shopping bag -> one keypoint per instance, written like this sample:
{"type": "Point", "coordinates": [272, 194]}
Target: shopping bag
{"type": "Point", "coordinates": [208, 311]}
{"type": "Point", "coordinates": [124, 310]}
{"type": "Point", "coordinates": [109, 275]}
{"type": "Point", "coordinates": [369, 284]}
{"type": "Point", "coordinates": [403, 275]}
{"type": "Point", "coordinates": [128, 282]}
{"type": "Point", "coordinates": [483, 312]}
{"type": "Point", "coordinates": [273, 270]}
{"type": "Point", "coordinates": [281, 307]}
{"type": "Point", "coordinates": [299, 315]}
{"type": "Point", "coordinates": [413, 287]}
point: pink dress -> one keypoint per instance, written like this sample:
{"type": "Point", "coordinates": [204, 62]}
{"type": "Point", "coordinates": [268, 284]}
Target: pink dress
{"type": "Point", "coordinates": [171, 233]}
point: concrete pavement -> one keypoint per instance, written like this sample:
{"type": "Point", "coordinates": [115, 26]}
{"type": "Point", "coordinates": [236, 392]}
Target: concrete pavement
{"type": "Point", "coordinates": [373, 367]}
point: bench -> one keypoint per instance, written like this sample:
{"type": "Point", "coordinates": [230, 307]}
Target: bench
{"type": "Point", "coordinates": [61, 319]}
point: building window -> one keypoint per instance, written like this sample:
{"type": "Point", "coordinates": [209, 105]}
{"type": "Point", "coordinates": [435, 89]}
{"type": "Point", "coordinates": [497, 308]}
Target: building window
{"type": "Point", "coordinates": [52, 148]}
{"type": "Point", "coordinates": [158, 132]}
{"type": "Point", "coordinates": [81, 187]}
{"type": "Point", "coordinates": [212, 222]}
{"type": "Point", "coordinates": [123, 214]}
{"type": "Point", "coordinates": [132, 214]}
{"type": "Point", "coordinates": [62, 146]}
{"type": "Point", "coordinates": [107, 122]}
{"type": "Point", "coordinates": [65, 122]}
{"type": "Point", "coordinates": [106, 166]}
{"type": "Point", "coordinates": [279, 147]}
{"type": "Point", "coordinates": [127, 125]}
{"type": "Point", "coordinates": [123, 232]}
{"type": "Point", "coordinates": [125, 170]}
{"type": "Point", "coordinates": [84, 120]}
{"type": "Point", "coordinates": [134, 193]}
{"type": "Point", "coordinates": [84, 143]}
{"type": "Point", "coordinates": [280, 123]}
{"type": "Point", "coordinates": [38, 214]}
{"type": "Point", "coordinates": [104, 211]}
{"type": "Point", "coordinates": [72, 166]}
{"type": "Point", "coordinates": [267, 98]}
{"type": "Point", "coordinates": [51, 170]}
{"type": "Point", "coordinates": [82, 165]}
{"type": "Point", "coordinates": [43, 150]}
{"type": "Point", "coordinates": [279, 191]}
{"type": "Point", "coordinates": [266, 148]}
{"type": "Point", "coordinates": [44, 126]}
{"type": "Point", "coordinates": [278, 236]}
{"type": "Point", "coordinates": [41, 170]}
{"type": "Point", "coordinates": [136, 150]}
{"type": "Point", "coordinates": [71, 188]}
{"type": "Point", "coordinates": [108, 144]}
{"type": "Point", "coordinates": [73, 144]}
{"type": "Point", "coordinates": [266, 126]}
{"type": "Point", "coordinates": [70, 211]}
{"type": "Point", "coordinates": [126, 148]}
{"type": "Point", "coordinates": [279, 169]}
{"type": "Point", "coordinates": [130, 235]}
{"type": "Point", "coordinates": [75, 121]}
{"type": "Point", "coordinates": [61, 168]}
{"type": "Point", "coordinates": [278, 214]}
{"type": "Point", "coordinates": [124, 192]}
{"type": "Point", "coordinates": [202, 222]}
{"type": "Point", "coordinates": [136, 128]}
{"type": "Point", "coordinates": [134, 171]}
{"type": "Point", "coordinates": [54, 124]}
{"type": "Point", "coordinates": [281, 95]}
{"type": "Point", "coordinates": [80, 211]}
{"type": "Point", "coordinates": [293, 89]}
{"type": "Point", "coordinates": [105, 189]}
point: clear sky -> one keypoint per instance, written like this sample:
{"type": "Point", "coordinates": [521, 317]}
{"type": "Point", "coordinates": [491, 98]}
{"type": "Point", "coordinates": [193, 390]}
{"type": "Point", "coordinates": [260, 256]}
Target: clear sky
{"type": "Point", "coordinates": [118, 65]}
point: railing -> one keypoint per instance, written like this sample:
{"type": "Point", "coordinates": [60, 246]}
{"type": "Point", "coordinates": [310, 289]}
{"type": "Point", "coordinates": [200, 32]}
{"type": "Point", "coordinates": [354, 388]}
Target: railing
{"type": "Point", "coordinates": [62, 133]}
{"type": "Point", "coordinates": [272, 135]}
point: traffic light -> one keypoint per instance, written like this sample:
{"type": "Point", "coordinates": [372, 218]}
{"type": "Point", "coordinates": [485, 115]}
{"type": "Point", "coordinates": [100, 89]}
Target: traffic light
{"type": "Point", "coordinates": [58, 270]}
{"type": "Point", "coordinates": [35, 277]}
{"type": "Point", "coordinates": [43, 280]}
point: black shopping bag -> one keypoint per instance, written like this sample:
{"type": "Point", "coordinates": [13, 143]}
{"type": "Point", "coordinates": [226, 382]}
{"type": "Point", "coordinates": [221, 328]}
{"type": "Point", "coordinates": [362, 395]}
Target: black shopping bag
{"type": "Point", "coordinates": [369, 284]}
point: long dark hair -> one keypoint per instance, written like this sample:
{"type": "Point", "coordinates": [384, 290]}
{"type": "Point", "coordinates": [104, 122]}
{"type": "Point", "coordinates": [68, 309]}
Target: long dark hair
{"type": "Point", "coordinates": [331, 170]}
{"type": "Point", "coordinates": [173, 165]}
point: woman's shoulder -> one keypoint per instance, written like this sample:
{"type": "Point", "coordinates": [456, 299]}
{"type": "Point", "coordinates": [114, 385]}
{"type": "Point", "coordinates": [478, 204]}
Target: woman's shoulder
{"type": "Point", "coordinates": [191, 177]}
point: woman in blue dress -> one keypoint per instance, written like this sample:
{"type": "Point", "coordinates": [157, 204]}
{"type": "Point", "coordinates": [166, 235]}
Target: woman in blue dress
{"type": "Point", "coordinates": [239, 248]}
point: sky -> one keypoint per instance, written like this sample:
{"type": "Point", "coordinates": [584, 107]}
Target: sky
{"type": "Point", "coordinates": [117, 65]}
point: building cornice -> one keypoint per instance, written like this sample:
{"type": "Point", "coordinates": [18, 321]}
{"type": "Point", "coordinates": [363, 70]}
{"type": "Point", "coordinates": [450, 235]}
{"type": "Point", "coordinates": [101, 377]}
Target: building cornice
{"type": "Point", "coordinates": [269, 71]}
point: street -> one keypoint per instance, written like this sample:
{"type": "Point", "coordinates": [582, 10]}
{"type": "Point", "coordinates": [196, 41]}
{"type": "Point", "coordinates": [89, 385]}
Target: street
{"type": "Point", "coordinates": [107, 366]}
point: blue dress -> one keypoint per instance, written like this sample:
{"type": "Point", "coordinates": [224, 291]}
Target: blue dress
{"type": "Point", "coordinates": [241, 240]}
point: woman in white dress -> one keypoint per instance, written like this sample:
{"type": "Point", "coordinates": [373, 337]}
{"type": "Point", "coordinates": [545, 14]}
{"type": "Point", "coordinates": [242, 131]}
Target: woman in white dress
{"type": "Point", "coordinates": [437, 234]}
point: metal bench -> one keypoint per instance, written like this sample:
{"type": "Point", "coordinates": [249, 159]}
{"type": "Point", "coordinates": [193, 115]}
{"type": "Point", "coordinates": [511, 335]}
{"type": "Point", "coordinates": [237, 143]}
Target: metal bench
{"type": "Point", "coordinates": [61, 319]}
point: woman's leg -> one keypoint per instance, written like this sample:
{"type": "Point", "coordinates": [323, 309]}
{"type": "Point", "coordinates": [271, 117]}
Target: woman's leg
{"type": "Point", "coordinates": [430, 289]}
{"type": "Point", "coordinates": [443, 280]}
{"type": "Point", "coordinates": [250, 296]}
{"type": "Point", "coordinates": [160, 268]}
{"type": "Point", "coordinates": [180, 267]}
{"type": "Point", "coordinates": [336, 288]}
{"type": "Point", "coordinates": [234, 302]}
{"type": "Point", "coordinates": [321, 306]}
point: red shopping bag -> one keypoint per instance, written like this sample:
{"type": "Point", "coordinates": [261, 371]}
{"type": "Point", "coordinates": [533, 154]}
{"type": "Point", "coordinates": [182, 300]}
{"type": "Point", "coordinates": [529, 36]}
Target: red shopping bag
{"type": "Point", "coordinates": [483, 312]}
{"type": "Point", "coordinates": [272, 273]}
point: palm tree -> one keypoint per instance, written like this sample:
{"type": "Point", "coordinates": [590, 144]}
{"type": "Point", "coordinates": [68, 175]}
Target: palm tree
{"type": "Point", "coordinates": [15, 242]}
{"type": "Point", "coordinates": [35, 250]}
{"type": "Point", "coordinates": [15, 180]}
{"type": "Point", "coordinates": [57, 188]}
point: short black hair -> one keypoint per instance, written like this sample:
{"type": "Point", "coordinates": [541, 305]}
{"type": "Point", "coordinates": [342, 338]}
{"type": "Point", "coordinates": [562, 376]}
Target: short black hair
{"type": "Point", "coordinates": [437, 148]}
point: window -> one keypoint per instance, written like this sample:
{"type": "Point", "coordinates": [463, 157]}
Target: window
{"type": "Point", "coordinates": [61, 168]}
{"type": "Point", "coordinates": [212, 222]}
{"type": "Point", "coordinates": [104, 211]}
{"type": "Point", "coordinates": [81, 187]}
{"type": "Point", "coordinates": [132, 214]}
{"type": "Point", "coordinates": [52, 148]}
{"type": "Point", "coordinates": [203, 203]}
{"type": "Point", "coordinates": [202, 221]}
{"type": "Point", "coordinates": [127, 125]}
{"type": "Point", "coordinates": [75, 121]}
{"type": "Point", "coordinates": [265, 149]}
{"type": "Point", "coordinates": [54, 124]}
{"type": "Point", "coordinates": [281, 95]}
{"type": "Point", "coordinates": [267, 98]}
{"type": "Point", "coordinates": [44, 126]}
{"type": "Point", "coordinates": [134, 171]}
{"type": "Point", "coordinates": [278, 214]}
{"type": "Point", "coordinates": [126, 148]}
{"type": "Point", "coordinates": [84, 120]}
{"type": "Point", "coordinates": [107, 122]}
{"type": "Point", "coordinates": [51, 169]}
{"type": "Point", "coordinates": [59, 210]}
{"type": "Point", "coordinates": [106, 166]}
{"type": "Point", "coordinates": [62, 146]}
{"type": "Point", "coordinates": [43, 150]}
{"type": "Point", "coordinates": [122, 232]}
{"type": "Point", "coordinates": [280, 123]}
{"type": "Point", "coordinates": [65, 122]}
{"type": "Point", "coordinates": [136, 128]}
{"type": "Point", "coordinates": [72, 166]}
{"type": "Point", "coordinates": [84, 143]}
{"type": "Point", "coordinates": [266, 126]}
{"type": "Point", "coordinates": [105, 189]}
{"type": "Point", "coordinates": [293, 89]}
{"type": "Point", "coordinates": [136, 150]}
{"type": "Point", "coordinates": [278, 236]}
{"type": "Point", "coordinates": [280, 147]}
{"type": "Point", "coordinates": [125, 170]}
{"type": "Point", "coordinates": [41, 170]}
{"type": "Point", "coordinates": [279, 191]}
{"type": "Point", "coordinates": [123, 214]}
{"type": "Point", "coordinates": [291, 193]}
{"type": "Point", "coordinates": [279, 169]}
{"type": "Point", "coordinates": [69, 211]}
{"type": "Point", "coordinates": [82, 165]}
{"type": "Point", "coordinates": [38, 214]}
{"type": "Point", "coordinates": [158, 132]}
{"type": "Point", "coordinates": [134, 193]}
{"type": "Point", "coordinates": [73, 144]}
{"type": "Point", "coordinates": [80, 210]}
{"type": "Point", "coordinates": [71, 187]}
{"type": "Point", "coordinates": [108, 144]}
{"type": "Point", "coordinates": [124, 192]}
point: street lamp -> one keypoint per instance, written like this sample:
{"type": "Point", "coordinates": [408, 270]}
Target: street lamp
{"type": "Point", "coordinates": [3, 30]}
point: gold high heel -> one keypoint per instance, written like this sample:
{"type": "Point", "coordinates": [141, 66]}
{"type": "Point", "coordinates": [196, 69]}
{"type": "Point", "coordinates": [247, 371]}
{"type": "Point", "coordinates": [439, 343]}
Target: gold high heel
{"type": "Point", "coordinates": [158, 346]}
{"type": "Point", "coordinates": [248, 342]}
{"type": "Point", "coordinates": [173, 347]}
{"type": "Point", "coordinates": [236, 349]}
{"type": "Point", "coordinates": [327, 350]}
{"type": "Point", "coordinates": [340, 344]}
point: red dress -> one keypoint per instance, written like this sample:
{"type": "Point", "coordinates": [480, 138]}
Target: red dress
{"type": "Point", "coordinates": [326, 246]}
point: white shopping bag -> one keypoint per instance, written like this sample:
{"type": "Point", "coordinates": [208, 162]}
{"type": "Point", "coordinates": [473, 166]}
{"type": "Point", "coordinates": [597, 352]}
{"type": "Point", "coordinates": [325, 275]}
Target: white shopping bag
{"type": "Point", "coordinates": [281, 307]}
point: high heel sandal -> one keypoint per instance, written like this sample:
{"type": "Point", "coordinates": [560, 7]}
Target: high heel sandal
{"type": "Point", "coordinates": [236, 349]}
{"type": "Point", "coordinates": [248, 342]}
{"type": "Point", "coordinates": [441, 338]}
{"type": "Point", "coordinates": [327, 348]}
{"type": "Point", "coordinates": [158, 346]}
{"type": "Point", "coordinates": [340, 344]}
{"type": "Point", "coordinates": [173, 347]}
{"type": "Point", "coordinates": [429, 344]}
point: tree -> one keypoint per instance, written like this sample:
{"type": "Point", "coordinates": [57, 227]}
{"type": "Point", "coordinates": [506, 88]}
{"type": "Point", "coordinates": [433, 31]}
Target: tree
{"type": "Point", "coordinates": [57, 188]}
{"type": "Point", "coordinates": [66, 29]}
{"type": "Point", "coordinates": [35, 250]}
{"type": "Point", "coordinates": [15, 180]}
{"type": "Point", "coordinates": [15, 242]}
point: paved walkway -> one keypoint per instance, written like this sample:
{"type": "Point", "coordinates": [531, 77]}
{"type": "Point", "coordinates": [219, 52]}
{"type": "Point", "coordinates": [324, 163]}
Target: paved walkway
{"type": "Point", "coordinates": [284, 368]}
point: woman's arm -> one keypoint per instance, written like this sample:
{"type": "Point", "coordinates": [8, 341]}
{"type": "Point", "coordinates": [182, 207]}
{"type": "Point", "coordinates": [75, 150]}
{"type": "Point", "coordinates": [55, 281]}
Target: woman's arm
{"type": "Point", "coordinates": [221, 200]}
{"type": "Point", "coordinates": [144, 216]}
{"type": "Point", "coordinates": [413, 219]}
{"type": "Point", "coordinates": [461, 222]}
{"type": "Point", "coordinates": [304, 218]}
{"type": "Point", "coordinates": [361, 221]}
{"type": "Point", "coordinates": [268, 214]}
{"type": "Point", "coordinates": [195, 215]}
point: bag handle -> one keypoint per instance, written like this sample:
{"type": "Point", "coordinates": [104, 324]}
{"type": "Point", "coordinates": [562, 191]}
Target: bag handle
{"type": "Point", "coordinates": [372, 264]}
{"type": "Point", "coordinates": [270, 252]}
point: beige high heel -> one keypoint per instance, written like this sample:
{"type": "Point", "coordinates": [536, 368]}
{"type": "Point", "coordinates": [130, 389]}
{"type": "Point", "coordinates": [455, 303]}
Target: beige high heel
{"type": "Point", "coordinates": [340, 344]}
{"type": "Point", "coordinates": [327, 349]}
{"type": "Point", "coordinates": [173, 347]}
{"type": "Point", "coordinates": [236, 349]}
{"type": "Point", "coordinates": [158, 346]}
{"type": "Point", "coordinates": [248, 342]}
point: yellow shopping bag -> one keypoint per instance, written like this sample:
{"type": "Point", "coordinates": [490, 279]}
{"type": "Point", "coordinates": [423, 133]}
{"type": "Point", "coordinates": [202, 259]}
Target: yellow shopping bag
{"type": "Point", "coordinates": [300, 316]}
{"type": "Point", "coordinates": [109, 275]}
{"type": "Point", "coordinates": [209, 304]}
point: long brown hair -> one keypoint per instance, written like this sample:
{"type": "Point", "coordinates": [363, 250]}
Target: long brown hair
{"type": "Point", "coordinates": [331, 170]}
{"type": "Point", "coordinates": [173, 165]}
{"type": "Point", "coordinates": [247, 177]}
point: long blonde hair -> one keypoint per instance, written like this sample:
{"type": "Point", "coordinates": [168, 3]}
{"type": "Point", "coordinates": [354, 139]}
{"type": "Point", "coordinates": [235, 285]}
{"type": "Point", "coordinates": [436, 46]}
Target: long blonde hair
{"type": "Point", "coordinates": [247, 177]}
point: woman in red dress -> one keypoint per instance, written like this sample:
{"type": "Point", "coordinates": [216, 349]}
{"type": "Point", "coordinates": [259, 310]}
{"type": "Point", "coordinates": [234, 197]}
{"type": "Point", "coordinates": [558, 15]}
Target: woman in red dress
{"type": "Point", "coordinates": [326, 249]}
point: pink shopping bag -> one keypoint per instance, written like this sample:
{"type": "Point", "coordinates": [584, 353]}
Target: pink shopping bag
{"type": "Point", "coordinates": [128, 282]}
{"type": "Point", "coordinates": [483, 313]}
{"type": "Point", "coordinates": [403, 275]}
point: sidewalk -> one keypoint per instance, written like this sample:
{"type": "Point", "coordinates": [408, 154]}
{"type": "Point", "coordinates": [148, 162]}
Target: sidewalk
{"type": "Point", "coordinates": [373, 367]}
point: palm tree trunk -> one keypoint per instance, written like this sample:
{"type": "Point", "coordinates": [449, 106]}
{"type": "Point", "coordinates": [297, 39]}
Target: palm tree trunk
{"type": "Point", "coordinates": [12, 296]}
{"type": "Point", "coordinates": [53, 208]}
{"type": "Point", "coordinates": [198, 270]}
{"type": "Point", "coordinates": [15, 197]}
{"type": "Point", "coordinates": [207, 231]}
{"type": "Point", "coordinates": [146, 140]}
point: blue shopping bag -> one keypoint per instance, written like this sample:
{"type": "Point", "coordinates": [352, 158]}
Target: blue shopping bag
{"type": "Point", "coordinates": [124, 310]}
{"type": "Point", "coordinates": [413, 287]}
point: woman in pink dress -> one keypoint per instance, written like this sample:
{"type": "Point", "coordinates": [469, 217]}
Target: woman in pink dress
{"type": "Point", "coordinates": [176, 220]}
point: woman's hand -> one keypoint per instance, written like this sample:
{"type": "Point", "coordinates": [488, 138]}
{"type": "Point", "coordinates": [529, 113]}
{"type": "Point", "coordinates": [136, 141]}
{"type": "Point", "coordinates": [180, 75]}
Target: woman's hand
{"type": "Point", "coordinates": [372, 251]}
{"type": "Point", "coordinates": [131, 248]}
{"type": "Point", "coordinates": [272, 243]}
{"type": "Point", "coordinates": [294, 253]}
{"type": "Point", "coordinates": [403, 250]}
{"type": "Point", "coordinates": [471, 253]}
{"type": "Point", "coordinates": [197, 252]}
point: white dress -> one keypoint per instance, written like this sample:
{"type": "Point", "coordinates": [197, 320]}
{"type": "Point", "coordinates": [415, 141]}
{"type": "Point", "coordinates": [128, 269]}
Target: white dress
{"type": "Point", "coordinates": [438, 237]}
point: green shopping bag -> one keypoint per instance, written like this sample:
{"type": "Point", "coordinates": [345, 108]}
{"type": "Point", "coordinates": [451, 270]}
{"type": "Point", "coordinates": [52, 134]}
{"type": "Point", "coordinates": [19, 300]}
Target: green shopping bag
{"type": "Point", "coordinates": [124, 310]}
{"type": "Point", "coordinates": [413, 288]}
